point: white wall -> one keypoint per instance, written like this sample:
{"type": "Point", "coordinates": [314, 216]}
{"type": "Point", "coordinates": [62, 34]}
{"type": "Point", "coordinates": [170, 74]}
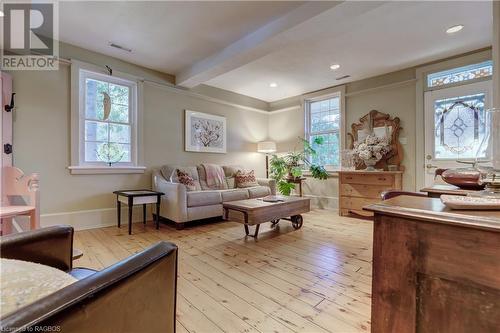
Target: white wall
{"type": "Point", "coordinates": [42, 134]}
{"type": "Point", "coordinates": [42, 143]}
{"type": "Point", "coordinates": [361, 97]}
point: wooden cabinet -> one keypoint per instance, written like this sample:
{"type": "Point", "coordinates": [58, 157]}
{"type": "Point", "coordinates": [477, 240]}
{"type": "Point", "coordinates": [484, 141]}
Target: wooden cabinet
{"type": "Point", "coordinates": [434, 269]}
{"type": "Point", "coordinates": [359, 188]}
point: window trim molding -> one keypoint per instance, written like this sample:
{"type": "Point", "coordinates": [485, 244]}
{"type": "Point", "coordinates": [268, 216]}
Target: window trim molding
{"type": "Point", "coordinates": [318, 96]}
{"type": "Point", "coordinates": [77, 166]}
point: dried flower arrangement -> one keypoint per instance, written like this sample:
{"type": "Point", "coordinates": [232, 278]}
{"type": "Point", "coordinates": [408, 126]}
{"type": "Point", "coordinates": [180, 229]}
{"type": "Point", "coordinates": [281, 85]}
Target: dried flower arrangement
{"type": "Point", "coordinates": [371, 150]}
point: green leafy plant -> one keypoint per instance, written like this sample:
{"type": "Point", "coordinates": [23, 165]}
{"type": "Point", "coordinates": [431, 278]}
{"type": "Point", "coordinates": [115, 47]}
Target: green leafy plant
{"type": "Point", "coordinates": [292, 165]}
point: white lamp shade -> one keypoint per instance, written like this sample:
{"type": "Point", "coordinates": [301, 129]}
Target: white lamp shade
{"type": "Point", "coordinates": [266, 147]}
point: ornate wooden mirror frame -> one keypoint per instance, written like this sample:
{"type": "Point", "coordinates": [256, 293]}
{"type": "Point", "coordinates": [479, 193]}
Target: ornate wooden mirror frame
{"type": "Point", "coordinates": [369, 123]}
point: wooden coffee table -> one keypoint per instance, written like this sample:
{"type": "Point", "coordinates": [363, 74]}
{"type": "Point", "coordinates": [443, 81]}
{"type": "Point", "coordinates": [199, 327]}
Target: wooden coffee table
{"type": "Point", "coordinates": [257, 211]}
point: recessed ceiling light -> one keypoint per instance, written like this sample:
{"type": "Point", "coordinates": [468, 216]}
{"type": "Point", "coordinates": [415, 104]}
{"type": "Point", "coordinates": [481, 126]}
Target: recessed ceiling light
{"type": "Point", "coordinates": [1, 14]}
{"type": "Point", "coordinates": [273, 84]}
{"type": "Point", "coordinates": [334, 67]}
{"type": "Point", "coordinates": [455, 28]}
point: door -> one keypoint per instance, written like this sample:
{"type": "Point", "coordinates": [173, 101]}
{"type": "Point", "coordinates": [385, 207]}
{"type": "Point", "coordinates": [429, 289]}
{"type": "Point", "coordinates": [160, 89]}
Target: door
{"type": "Point", "coordinates": [454, 125]}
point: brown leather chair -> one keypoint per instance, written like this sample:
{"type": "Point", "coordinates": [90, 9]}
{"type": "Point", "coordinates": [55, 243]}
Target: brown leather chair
{"type": "Point", "coordinates": [386, 195]}
{"type": "Point", "coordinates": [137, 294]}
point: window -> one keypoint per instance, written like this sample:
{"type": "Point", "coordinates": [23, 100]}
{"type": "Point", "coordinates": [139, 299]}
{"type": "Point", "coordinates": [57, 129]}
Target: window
{"type": "Point", "coordinates": [324, 119]}
{"type": "Point", "coordinates": [105, 122]}
{"type": "Point", "coordinates": [460, 74]}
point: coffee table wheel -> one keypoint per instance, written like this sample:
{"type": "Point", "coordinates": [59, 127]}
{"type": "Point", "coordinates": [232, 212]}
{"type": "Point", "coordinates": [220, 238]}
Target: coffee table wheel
{"type": "Point", "coordinates": [274, 222]}
{"type": "Point", "coordinates": [297, 221]}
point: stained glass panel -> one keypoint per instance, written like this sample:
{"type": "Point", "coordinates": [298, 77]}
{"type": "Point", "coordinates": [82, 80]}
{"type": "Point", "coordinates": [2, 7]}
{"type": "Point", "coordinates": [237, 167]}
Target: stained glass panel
{"type": "Point", "coordinates": [460, 74]}
{"type": "Point", "coordinates": [459, 126]}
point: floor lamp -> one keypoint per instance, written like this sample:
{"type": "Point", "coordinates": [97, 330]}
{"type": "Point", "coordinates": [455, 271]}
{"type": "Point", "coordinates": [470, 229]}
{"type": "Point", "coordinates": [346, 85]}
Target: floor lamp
{"type": "Point", "coordinates": [266, 147]}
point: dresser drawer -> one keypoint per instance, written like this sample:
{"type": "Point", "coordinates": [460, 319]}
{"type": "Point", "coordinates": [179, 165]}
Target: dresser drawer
{"type": "Point", "coordinates": [356, 203]}
{"type": "Point", "coordinates": [375, 179]}
{"type": "Point", "coordinates": [362, 190]}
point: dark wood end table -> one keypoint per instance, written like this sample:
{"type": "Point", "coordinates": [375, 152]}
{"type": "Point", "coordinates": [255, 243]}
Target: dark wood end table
{"type": "Point", "coordinates": [137, 197]}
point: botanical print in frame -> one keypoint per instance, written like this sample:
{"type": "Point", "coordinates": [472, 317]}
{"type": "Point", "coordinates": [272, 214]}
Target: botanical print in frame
{"type": "Point", "coordinates": [205, 132]}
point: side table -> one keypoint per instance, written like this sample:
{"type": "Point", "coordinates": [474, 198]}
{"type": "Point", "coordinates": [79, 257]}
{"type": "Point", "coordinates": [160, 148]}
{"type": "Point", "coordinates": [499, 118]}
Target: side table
{"type": "Point", "coordinates": [297, 181]}
{"type": "Point", "coordinates": [137, 197]}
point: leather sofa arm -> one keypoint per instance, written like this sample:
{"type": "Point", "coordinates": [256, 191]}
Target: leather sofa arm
{"type": "Point", "coordinates": [137, 294]}
{"type": "Point", "coordinates": [389, 194]}
{"type": "Point", "coordinates": [271, 183]}
{"type": "Point", "coordinates": [51, 246]}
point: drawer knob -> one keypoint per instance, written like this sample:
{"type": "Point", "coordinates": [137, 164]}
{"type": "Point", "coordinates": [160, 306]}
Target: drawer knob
{"type": "Point", "coordinates": [382, 178]}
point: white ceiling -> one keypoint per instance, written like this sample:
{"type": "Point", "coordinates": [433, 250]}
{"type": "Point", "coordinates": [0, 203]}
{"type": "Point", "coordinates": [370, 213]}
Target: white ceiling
{"type": "Point", "coordinates": [366, 40]}
{"type": "Point", "coordinates": [163, 35]}
{"type": "Point", "coordinates": [243, 46]}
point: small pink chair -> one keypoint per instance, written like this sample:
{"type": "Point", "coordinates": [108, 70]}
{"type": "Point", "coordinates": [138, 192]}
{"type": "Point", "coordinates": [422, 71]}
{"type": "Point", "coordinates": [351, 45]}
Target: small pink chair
{"type": "Point", "coordinates": [20, 197]}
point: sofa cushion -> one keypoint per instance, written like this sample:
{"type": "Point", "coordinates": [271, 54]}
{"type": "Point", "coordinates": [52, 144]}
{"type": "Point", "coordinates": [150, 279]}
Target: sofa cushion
{"type": "Point", "coordinates": [203, 179]}
{"type": "Point", "coordinates": [190, 171]}
{"type": "Point", "coordinates": [233, 195]}
{"type": "Point", "coordinates": [203, 198]}
{"type": "Point", "coordinates": [187, 180]}
{"type": "Point", "coordinates": [246, 179]}
{"type": "Point", "coordinates": [231, 182]}
{"type": "Point", "coordinates": [231, 170]}
{"type": "Point", "coordinates": [258, 191]}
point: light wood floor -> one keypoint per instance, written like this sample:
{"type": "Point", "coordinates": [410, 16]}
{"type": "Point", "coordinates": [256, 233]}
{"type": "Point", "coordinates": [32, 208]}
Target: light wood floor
{"type": "Point", "coordinates": [316, 279]}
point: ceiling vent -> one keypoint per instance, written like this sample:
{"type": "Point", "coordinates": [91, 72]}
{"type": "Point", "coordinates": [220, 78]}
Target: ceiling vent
{"type": "Point", "coordinates": [116, 46]}
{"type": "Point", "coordinates": [342, 77]}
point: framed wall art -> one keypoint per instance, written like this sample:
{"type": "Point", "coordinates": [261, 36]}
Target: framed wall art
{"type": "Point", "coordinates": [205, 133]}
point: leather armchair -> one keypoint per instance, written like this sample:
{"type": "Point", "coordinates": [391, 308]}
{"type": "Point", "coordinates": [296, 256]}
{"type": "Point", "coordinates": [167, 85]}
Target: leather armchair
{"type": "Point", "coordinates": [137, 294]}
{"type": "Point", "coordinates": [386, 195]}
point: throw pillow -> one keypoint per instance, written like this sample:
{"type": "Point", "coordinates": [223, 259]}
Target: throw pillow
{"type": "Point", "coordinates": [186, 179]}
{"type": "Point", "coordinates": [245, 179]}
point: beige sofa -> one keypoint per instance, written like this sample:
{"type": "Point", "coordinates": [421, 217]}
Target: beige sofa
{"type": "Point", "coordinates": [180, 205]}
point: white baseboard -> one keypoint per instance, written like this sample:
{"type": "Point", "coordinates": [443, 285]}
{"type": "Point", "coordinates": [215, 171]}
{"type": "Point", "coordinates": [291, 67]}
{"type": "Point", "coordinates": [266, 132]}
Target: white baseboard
{"type": "Point", "coordinates": [93, 218]}
{"type": "Point", "coordinates": [105, 217]}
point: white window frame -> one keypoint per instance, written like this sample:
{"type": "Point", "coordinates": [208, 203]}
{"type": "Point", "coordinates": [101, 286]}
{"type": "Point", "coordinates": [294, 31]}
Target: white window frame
{"type": "Point", "coordinates": [341, 131]}
{"type": "Point", "coordinates": [79, 73]}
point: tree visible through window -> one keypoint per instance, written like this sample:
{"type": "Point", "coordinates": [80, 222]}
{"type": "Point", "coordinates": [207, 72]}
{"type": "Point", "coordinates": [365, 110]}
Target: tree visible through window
{"type": "Point", "coordinates": [323, 120]}
{"type": "Point", "coordinates": [108, 121]}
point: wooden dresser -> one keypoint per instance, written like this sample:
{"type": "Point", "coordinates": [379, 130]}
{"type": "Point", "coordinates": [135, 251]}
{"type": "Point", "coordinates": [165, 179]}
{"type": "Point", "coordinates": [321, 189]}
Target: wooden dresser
{"type": "Point", "coordinates": [434, 269]}
{"type": "Point", "coordinates": [358, 188]}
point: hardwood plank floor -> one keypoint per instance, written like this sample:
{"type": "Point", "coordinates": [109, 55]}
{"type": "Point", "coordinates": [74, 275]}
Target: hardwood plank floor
{"type": "Point", "coordinates": [316, 279]}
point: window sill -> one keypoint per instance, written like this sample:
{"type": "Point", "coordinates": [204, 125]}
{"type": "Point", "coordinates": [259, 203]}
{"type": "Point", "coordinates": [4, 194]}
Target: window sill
{"type": "Point", "coordinates": [89, 170]}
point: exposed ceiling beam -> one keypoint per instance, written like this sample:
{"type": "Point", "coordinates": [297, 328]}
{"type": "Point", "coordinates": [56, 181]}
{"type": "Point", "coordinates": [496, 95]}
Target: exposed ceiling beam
{"type": "Point", "coordinates": [252, 46]}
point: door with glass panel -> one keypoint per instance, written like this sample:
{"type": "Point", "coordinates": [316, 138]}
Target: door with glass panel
{"type": "Point", "coordinates": [454, 125]}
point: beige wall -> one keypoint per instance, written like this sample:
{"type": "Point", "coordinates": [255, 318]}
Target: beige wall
{"type": "Point", "coordinates": [42, 130]}
{"type": "Point", "coordinates": [383, 93]}
{"type": "Point", "coordinates": [398, 101]}
{"type": "Point", "coordinates": [42, 136]}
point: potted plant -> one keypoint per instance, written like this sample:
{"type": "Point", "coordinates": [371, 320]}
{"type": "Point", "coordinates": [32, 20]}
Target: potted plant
{"type": "Point", "coordinates": [291, 166]}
